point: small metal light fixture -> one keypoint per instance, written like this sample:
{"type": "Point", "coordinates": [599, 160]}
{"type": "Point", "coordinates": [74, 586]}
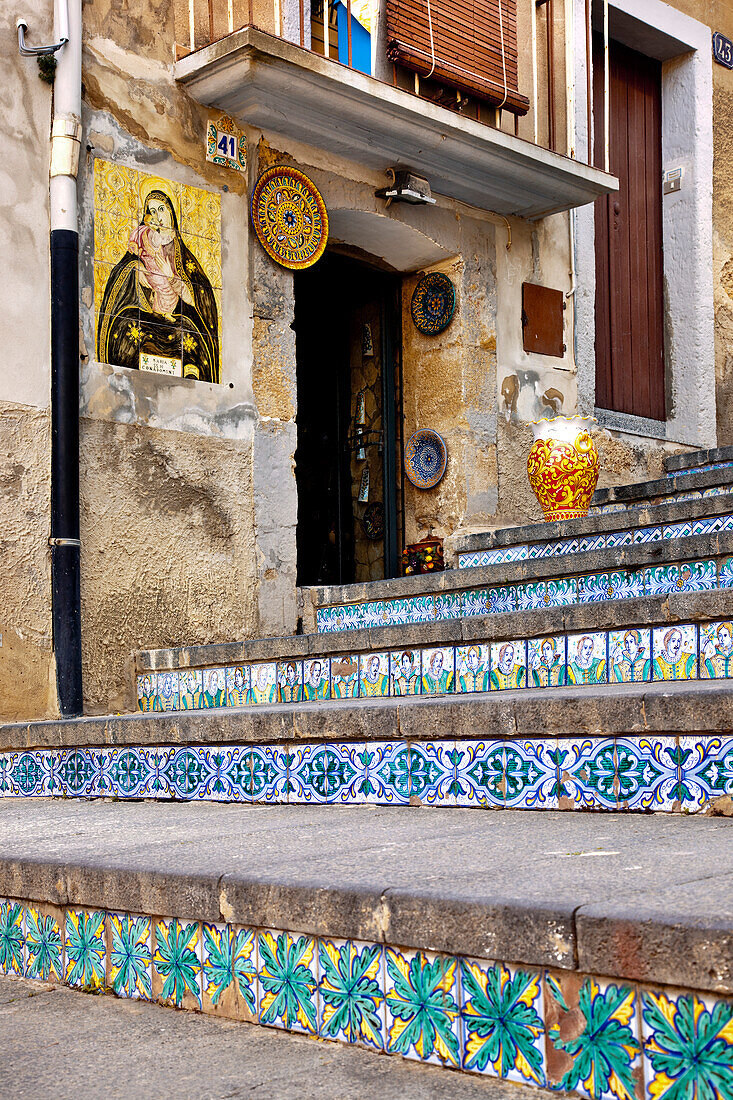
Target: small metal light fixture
{"type": "Point", "coordinates": [405, 186]}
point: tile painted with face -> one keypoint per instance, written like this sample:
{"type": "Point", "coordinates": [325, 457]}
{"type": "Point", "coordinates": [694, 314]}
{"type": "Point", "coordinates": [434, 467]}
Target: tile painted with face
{"type": "Point", "coordinates": [675, 653]}
{"type": "Point", "coordinates": [316, 678]}
{"type": "Point", "coordinates": [290, 681]}
{"type": "Point", "coordinates": [238, 685]}
{"type": "Point", "coordinates": [215, 687]}
{"type": "Point", "coordinates": [508, 665]}
{"type": "Point", "coordinates": [146, 692]}
{"type": "Point", "coordinates": [263, 683]}
{"type": "Point", "coordinates": [716, 651]}
{"type": "Point", "coordinates": [345, 676]}
{"type": "Point", "coordinates": [405, 672]}
{"type": "Point", "coordinates": [587, 659]}
{"type": "Point", "coordinates": [629, 656]}
{"type": "Point", "coordinates": [438, 671]}
{"type": "Point", "coordinates": [166, 697]}
{"type": "Point", "coordinates": [546, 662]}
{"type": "Point", "coordinates": [373, 675]}
{"type": "Point", "coordinates": [191, 689]}
{"type": "Point", "coordinates": [472, 668]}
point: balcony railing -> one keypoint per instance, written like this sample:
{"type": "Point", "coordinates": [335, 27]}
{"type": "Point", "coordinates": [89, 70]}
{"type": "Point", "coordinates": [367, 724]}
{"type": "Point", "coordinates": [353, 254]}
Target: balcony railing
{"type": "Point", "coordinates": [351, 33]}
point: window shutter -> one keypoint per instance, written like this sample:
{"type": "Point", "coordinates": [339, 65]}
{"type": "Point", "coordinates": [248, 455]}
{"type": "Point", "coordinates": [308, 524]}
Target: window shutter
{"type": "Point", "coordinates": [466, 45]}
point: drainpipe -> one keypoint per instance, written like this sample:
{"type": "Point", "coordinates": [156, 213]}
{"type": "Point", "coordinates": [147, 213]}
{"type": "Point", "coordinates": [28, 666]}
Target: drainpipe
{"type": "Point", "coordinates": [65, 544]}
{"type": "Point", "coordinates": [64, 541]}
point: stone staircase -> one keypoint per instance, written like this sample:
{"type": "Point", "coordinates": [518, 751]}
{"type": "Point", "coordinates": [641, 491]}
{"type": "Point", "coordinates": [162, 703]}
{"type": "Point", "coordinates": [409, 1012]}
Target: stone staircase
{"type": "Point", "coordinates": [584, 666]}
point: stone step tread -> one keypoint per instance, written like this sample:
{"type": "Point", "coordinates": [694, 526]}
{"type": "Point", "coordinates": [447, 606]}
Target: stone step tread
{"type": "Point", "coordinates": [432, 596]}
{"type": "Point", "coordinates": [673, 607]}
{"type": "Point", "coordinates": [694, 460]}
{"type": "Point", "coordinates": [115, 1048]}
{"type": "Point", "coordinates": [596, 710]}
{"type": "Point", "coordinates": [531, 542]}
{"type": "Point", "coordinates": [683, 482]}
{"type": "Point", "coordinates": [542, 889]}
{"type": "Point", "coordinates": [595, 523]}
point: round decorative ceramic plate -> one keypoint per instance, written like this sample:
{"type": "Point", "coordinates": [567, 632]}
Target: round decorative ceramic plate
{"type": "Point", "coordinates": [289, 217]}
{"type": "Point", "coordinates": [433, 302]}
{"type": "Point", "coordinates": [425, 457]}
{"type": "Point", "coordinates": [373, 520]}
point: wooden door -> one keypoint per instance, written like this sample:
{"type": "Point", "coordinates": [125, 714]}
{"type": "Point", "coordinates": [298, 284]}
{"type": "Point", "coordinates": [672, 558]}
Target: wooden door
{"type": "Point", "coordinates": [629, 289]}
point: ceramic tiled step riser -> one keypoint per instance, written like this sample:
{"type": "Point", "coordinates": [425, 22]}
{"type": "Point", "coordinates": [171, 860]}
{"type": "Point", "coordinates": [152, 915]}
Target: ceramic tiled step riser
{"type": "Point", "coordinates": [439, 1008]}
{"type": "Point", "coordinates": [670, 652]}
{"type": "Point", "coordinates": [566, 547]}
{"type": "Point", "coordinates": [646, 569]}
{"type": "Point", "coordinates": [704, 469]}
{"type": "Point", "coordinates": [633, 773]}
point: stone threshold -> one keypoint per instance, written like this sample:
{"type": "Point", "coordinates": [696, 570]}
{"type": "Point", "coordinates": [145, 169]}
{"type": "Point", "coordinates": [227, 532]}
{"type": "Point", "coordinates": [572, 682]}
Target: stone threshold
{"type": "Point", "coordinates": [433, 596]}
{"type": "Point", "coordinates": [682, 708]}
{"type": "Point", "coordinates": [595, 523]}
{"type": "Point", "coordinates": [647, 491]}
{"type": "Point", "coordinates": [674, 607]}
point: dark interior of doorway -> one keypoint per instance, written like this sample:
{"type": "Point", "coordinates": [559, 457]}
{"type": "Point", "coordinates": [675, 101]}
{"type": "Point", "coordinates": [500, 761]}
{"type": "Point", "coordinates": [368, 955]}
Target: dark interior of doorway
{"type": "Point", "coordinates": [333, 300]}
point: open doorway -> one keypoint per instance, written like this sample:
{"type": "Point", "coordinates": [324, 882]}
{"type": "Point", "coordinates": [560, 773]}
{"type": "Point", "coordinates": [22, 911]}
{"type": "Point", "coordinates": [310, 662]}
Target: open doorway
{"type": "Point", "coordinates": [349, 423]}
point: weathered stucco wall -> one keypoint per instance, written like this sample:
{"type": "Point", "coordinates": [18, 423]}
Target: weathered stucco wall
{"type": "Point", "coordinates": [168, 521]}
{"type": "Point", "coordinates": [26, 658]}
{"type": "Point", "coordinates": [167, 547]}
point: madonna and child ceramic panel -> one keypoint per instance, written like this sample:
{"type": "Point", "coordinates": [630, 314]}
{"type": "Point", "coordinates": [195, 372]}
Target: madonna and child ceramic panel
{"type": "Point", "coordinates": [157, 274]}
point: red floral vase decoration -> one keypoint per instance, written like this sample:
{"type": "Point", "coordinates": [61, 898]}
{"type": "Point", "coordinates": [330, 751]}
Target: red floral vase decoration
{"type": "Point", "coordinates": [563, 466]}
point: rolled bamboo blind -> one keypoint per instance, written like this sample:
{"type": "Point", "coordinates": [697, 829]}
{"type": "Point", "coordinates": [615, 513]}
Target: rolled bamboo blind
{"type": "Point", "coordinates": [459, 42]}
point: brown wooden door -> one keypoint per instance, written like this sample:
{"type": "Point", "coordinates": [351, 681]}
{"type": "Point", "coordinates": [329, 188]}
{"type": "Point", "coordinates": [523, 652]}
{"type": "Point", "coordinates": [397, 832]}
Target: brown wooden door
{"type": "Point", "coordinates": [629, 292]}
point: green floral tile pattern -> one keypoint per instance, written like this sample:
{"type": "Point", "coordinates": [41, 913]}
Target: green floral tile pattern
{"type": "Point", "coordinates": [503, 1028]}
{"type": "Point", "coordinates": [422, 1006]}
{"type": "Point", "coordinates": [177, 960]}
{"type": "Point", "coordinates": [288, 980]}
{"type": "Point", "coordinates": [43, 945]}
{"type": "Point", "coordinates": [130, 956]}
{"type": "Point", "coordinates": [614, 1040]}
{"type": "Point", "coordinates": [688, 1047]}
{"type": "Point", "coordinates": [11, 938]}
{"type": "Point", "coordinates": [85, 949]}
{"type": "Point", "coordinates": [352, 992]}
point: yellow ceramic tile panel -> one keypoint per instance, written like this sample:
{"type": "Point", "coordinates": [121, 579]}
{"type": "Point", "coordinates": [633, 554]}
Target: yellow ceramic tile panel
{"type": "Point", "coordinates": [112, 232]}
{"type": "Point", "coordinates": [102, 273]}
{"type": "Point", "coordinates": [169, 278]}
{"type": "Point", "coordinates": [201, 213]}
{"type": "Point", "coordinates": [208, 254]}
{"type": "Point", "coordinates": [116, 187]}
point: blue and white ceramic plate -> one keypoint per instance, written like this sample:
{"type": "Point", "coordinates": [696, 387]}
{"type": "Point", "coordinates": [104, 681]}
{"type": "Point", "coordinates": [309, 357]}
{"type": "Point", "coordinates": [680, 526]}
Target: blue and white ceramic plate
{"type": "Point", "coordinates": [425, 458]}
{"type": "Point", "coordinates": [433, 303]}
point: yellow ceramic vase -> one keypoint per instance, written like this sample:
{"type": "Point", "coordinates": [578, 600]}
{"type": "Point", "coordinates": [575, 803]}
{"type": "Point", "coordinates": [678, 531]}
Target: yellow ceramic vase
{"type": "Point", "coordinates": [563, 466]}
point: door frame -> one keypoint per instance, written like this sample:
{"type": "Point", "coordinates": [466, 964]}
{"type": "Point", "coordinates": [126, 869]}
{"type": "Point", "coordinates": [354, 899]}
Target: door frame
{"type": "Point", "coordinates": [682, 44]}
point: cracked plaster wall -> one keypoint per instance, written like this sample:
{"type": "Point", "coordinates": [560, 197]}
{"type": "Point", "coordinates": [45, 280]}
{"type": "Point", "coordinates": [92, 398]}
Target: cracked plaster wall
{"type": "Point", "coordinates": [27, 670]}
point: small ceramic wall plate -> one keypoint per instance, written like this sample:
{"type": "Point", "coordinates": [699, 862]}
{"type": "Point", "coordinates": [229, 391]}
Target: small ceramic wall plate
{"type": "Point", "coordinates": [425, 458]}
{"type": "Point", "coordinates": [289, 217]}
{"type": "Point", "coordinates": [433, 303]}
{"type": "Point", "coordinates": [374, 520]}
